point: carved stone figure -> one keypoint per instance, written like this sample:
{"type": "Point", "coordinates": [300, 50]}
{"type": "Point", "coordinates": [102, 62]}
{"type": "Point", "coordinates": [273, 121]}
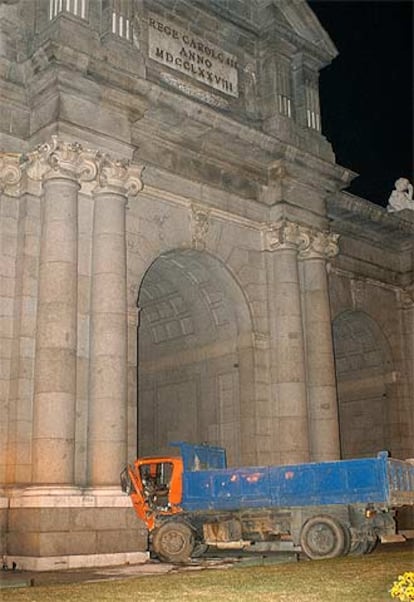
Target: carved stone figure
{"type": "Point", "coordinates": [402, 197]}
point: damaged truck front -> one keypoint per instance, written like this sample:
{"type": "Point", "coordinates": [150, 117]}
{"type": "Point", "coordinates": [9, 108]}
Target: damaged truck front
{"type": "Point", "coordinates": [325, 509]}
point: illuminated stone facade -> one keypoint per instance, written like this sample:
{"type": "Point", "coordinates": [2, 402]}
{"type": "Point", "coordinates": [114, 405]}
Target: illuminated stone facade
{"type": "Point", "coordinates": [179, 261]}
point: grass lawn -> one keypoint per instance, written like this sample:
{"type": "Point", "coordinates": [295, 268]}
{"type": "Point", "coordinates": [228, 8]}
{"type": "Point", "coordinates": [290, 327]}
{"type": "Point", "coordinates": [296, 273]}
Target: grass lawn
{"type": "Point", "coordinates": [350, 579]}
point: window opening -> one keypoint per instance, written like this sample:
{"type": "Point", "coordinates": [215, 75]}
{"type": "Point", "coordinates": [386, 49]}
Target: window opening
{"type": "Point", "coordinates": [121, 19]}
{"type": "Point", "coordinates": [313, 119]}
{"type": "Point", "coordinates": [78, 8]}
{"type": "Point", "coordinates": [284, 89]}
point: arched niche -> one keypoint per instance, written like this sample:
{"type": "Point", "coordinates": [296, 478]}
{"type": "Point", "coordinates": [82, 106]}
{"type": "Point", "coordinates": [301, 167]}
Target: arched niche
{"type": "Point", "coordinates": [194, 343]}
{"type": "Point", "coordinates": [363, 368]}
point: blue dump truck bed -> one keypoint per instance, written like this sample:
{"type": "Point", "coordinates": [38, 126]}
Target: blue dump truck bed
{"type": "Point", "coordinates": [209, 485]}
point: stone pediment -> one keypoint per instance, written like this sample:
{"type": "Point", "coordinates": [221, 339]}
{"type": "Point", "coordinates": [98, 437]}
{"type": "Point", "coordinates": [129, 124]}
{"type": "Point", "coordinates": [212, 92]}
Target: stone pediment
{"type": "Point", "coordinates": [305, 24]}
{"type": "Point", "coordinates": [265, 15]}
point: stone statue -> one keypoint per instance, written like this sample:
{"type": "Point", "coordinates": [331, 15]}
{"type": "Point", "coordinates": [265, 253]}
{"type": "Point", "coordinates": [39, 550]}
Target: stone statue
{"type": "Point", "coordinates": [402, 197]}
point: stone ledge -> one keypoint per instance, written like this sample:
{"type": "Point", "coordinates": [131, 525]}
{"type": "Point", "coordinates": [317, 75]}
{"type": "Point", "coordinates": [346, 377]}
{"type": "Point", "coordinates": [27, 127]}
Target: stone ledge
{"type": "Point", "coordinates": [58, 563]}
{"type": "Point", "coordinates": [69, 497]}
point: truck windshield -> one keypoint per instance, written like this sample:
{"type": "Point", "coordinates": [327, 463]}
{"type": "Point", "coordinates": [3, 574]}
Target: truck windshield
{"type": "Point", "coordinates": [156, 480]}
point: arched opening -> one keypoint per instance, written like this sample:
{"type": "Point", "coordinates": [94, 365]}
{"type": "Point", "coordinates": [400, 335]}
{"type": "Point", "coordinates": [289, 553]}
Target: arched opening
{"type": "Point", "coordinates": [363, 365]}
{"type": "Point", "coordinates": [194, 342]}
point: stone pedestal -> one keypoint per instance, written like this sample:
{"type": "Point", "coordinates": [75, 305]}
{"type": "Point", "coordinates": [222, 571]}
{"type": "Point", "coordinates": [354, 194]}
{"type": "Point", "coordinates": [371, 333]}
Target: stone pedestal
{"type": "Point", "coordinates": [53, 528]}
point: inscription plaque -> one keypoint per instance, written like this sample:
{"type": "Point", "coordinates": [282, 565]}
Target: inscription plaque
{"type": "Point", "coordinates": [182, 51]}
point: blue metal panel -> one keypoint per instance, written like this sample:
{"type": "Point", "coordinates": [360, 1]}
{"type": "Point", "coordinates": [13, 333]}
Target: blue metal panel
{"type": "Point", "coordinates": [365, 480]}
{"type": "Point", "coordinates": [228, 489]}
{"type": "Point", "coordinates": [201, 457]}
{"type": "Point", "coordinates": [342, 482]}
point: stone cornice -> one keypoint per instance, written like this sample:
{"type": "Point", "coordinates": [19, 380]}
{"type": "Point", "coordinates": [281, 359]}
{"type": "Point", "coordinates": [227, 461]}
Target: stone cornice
{"type": "Point", "coordinates": [354, 216]}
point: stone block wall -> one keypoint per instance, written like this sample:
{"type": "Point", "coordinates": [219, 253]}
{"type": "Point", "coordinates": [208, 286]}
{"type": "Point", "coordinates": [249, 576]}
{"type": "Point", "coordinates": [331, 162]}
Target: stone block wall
{"type": "Point", "coordinates": [57, 532]}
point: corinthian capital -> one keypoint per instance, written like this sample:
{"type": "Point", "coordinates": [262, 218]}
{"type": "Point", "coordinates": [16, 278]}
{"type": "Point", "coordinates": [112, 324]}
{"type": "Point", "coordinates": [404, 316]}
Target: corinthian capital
{"type": "Point", "coordinates": [118, 175]}
{"type": "Point", "coordinates": [69, 159]}
{"type": "Point", "coordinates": [11, 173]}
{"type": "Point", "coordinates": [57, 159]}
{"type": "Point", "coordinates": [283, 235]}
{"type": "Point", "coordinates": [321, 245]}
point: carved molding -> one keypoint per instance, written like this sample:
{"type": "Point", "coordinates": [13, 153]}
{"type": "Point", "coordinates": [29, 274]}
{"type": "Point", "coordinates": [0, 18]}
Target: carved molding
{"type": "Point", "coordinates": [321, 245]}
{"type": "Point", "coordinates": [56, 159]}
{"type": "Point", "coordinates": [200, 224]}
{"type": "Point", "coordinates": [358, 291]}
{"type": "Point", "coordinates": [285, 235]}
{"type": "Point", "coordinates": [407, 297]}
{"type": "Point", "coordinates": [60, 159]}
{"type": "Point", "coordinates": [11, 173]}
{"type": "Point", "coordinates": [308, 242]}
{"type": "Point", "coordinates": [118, 175]}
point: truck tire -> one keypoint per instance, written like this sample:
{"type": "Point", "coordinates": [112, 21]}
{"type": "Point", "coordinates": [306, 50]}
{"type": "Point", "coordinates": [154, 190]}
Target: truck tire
{"type": "Point", "coordinates": [323, 537]}
{"type": "Point", "coordinates": [173, 542]}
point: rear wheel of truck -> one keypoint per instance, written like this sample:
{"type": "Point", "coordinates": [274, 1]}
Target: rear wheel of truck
{"type": "Point", "coordinates": [173, 542]}
{"type": "Point", "coordinates": [323, 537]}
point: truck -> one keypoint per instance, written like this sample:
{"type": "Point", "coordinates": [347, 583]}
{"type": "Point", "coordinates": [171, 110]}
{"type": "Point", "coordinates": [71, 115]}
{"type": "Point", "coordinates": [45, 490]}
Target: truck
{"type": "Point", "coordinates": [193, 501]}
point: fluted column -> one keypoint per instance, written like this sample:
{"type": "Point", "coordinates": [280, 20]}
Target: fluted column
{"type": "Point", "coordinates": [55, 365]}
{"type": "Point", "coordinates": [318, 247]}
{"type": "Point", "coordinates": [287, 344]}
{"type": "Point", "coordinates": [108, 403]}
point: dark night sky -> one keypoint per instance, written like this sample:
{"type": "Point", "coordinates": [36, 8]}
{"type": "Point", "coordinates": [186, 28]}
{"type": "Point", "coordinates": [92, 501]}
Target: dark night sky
{"type": "Point", "coordinates": [367, 91]}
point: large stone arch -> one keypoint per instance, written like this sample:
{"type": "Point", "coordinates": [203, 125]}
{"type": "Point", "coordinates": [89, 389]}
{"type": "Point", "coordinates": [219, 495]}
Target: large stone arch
{"type": "Point", "coordinates": [364, 372]}
{"type": "Point", "coordinates": [195, 347]}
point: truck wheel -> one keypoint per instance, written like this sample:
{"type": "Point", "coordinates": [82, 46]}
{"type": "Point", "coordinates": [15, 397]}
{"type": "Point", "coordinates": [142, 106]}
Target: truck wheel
{"type": "Point", "coordinates": [173, 542]}
{"type": "Point", "coordinates": [323, 537]}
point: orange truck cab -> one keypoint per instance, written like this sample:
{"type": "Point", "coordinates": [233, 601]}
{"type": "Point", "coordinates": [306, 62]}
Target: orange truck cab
{"type": "Point", "coordinates": [155, 487]}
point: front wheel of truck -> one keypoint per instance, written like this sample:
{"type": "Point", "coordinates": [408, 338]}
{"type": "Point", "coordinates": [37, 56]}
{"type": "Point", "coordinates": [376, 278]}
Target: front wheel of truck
{"type": "Point", "coordinates": [173, 542]}
{"type": "Point", "coordinates": [323, 537]}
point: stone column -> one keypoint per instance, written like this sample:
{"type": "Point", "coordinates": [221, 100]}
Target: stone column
{"type": "Point", "coordinates": [55, 364]}
{"type": "Point", "coordinates": [321, 380]}
{"type": "Point", "coordinates": [287, 344]}
{"type": "Point", "coordinates": [108, 403]}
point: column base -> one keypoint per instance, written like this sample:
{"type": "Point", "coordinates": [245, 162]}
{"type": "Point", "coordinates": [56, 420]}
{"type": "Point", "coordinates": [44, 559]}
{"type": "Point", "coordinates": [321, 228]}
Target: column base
{"type": "Point", "coordinates": [52, 528]}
